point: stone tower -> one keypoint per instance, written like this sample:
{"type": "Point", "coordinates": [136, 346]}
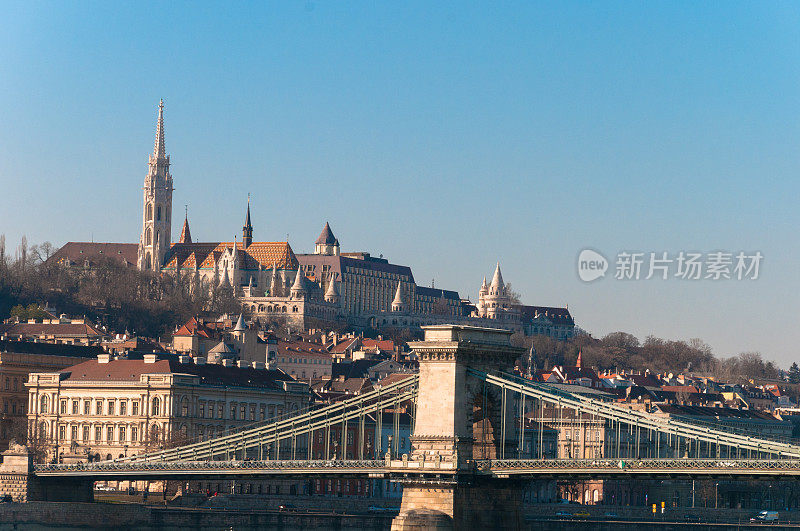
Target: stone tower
{"type": "Point", "coordinates": [154, 241]}
{"type": "Point", "coordinates": [327, 243]}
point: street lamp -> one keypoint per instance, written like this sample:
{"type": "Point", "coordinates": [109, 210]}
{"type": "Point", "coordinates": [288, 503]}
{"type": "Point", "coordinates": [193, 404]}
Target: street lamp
{"type": "Point", "coordinates": [716, 495]}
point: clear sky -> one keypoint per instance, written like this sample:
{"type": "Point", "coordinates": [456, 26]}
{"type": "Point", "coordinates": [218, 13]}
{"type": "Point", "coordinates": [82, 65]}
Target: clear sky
{"type": "Point", "coordinates": [445, 136]}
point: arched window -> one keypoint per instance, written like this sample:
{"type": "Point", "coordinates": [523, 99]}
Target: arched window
{"type": "Point", "coordinates": [149, 211]}
{"type": "Point", "coordinates": [44, 404]}
{"type": "Point", "coordinates": [154, 431]}
{"type": "Point", "coordinates": [595, 496]}
{"type": "Point", "coordinates": [156, 408]}
{"type": "Point", "coordinates": [185, 407]}
{"type": "Point", "coordinates": [148, 236]}
{"type": "Point", "coordinates": [158, 213]}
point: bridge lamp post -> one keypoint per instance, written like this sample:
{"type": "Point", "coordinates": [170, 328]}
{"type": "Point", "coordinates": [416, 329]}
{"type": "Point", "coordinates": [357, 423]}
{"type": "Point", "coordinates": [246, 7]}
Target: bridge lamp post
{"type": "Point", "coordinates": [716, 495]}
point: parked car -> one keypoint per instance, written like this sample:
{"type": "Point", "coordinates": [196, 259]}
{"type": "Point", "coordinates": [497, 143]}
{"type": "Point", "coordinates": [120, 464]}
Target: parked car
{"type": "Point", "coordinates": [286, 507]}
{"type": "Point", "coordinates": [581, 514]}
{"type": "Point", "coordinates": [765, 516]}
{"type": "Point", "coordinates": [611, 515]}
{"type": "Point", "coordinates": [691, 517]}
{"type": "Point", "coordinates": [562, 514]}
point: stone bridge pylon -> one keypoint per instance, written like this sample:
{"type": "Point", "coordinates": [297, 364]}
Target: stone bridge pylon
{"type": "Point", "coordinates": [459, 419]}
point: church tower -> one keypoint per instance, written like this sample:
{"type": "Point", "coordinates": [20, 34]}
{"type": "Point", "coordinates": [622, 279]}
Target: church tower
{"type": "Point", "coordinates": [154, 241]}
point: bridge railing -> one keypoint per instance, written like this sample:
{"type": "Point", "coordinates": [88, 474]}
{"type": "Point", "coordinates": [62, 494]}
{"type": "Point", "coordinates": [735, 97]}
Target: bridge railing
{"type": "Point", "coordinates": [663, 426]}
{"type": "Point", "coordinates": [272, 434]}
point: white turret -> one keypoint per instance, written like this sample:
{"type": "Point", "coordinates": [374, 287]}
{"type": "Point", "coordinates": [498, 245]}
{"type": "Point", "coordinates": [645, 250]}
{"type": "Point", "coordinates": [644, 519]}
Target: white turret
{"type": "Point", "coordinates": [398, 306]}
{"type": "Point", "coordinates": [332, 294]}
{"type": "Point", "coordinates": [298, 290]}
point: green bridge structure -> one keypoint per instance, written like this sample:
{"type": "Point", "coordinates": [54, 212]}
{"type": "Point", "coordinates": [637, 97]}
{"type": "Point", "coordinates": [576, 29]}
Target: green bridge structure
{"type": "Point", "coordinates": [478, 433]}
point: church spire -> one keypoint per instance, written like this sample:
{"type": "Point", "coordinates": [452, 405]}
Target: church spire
{"type": "Point", "coordinates": [247, 230]}
{"type": "Point", "coordinates": [186, 236]}
{"type": "Point", "coordinates": [160, 150]}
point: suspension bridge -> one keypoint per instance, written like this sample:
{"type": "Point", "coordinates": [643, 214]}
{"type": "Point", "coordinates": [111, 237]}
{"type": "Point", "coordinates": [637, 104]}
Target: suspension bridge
{"type": "Point", "coordinates": [476, 430]}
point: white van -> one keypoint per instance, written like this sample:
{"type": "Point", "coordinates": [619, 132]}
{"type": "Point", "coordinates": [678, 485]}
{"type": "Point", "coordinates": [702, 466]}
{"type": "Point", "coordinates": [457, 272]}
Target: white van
{"type": "Point", "coordinates": [765, 516]}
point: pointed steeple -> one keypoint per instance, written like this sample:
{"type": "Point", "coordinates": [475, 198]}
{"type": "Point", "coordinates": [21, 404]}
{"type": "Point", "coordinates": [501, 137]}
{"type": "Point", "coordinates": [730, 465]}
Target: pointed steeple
{"type": "Point", "coordinates": [497, 281]}
{"type": "Point", "coordinates": [186, 236]}
{"type": "Point", "coordinates": [247, 230]}
{"type": "Point", "coordinates": [579, 362]}
{"type": "Point", "coordinates": [240, 326]}
{"type": "Point", "coordinates": [274, 288]}
{"type": "Point", "coordinates": [397, 304]}
{"type": "Point", "coordinates": [224, 282]}
{"type": "Point", "coordinates": [160, 150]}
{"type": "Point", "coordinates": [484, 286]}
{"type": "Point", "coordinates": [298, 288]}
{"type": "Point", "coordinates": [331, 294]}
{"type": "Point", "coordinates": [327, 243]}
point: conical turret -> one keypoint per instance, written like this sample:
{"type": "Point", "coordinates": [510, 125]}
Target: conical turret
{"type": "Point", "coordinates": [398, 305]}
{"type": "Point", "coordinates": [298, 290]}
{"type": "Point", "coordinates": [497, 286]}
{"type": "Point", "coordinates": [332, 294]}
{"type": "Point", "coordinates": [240, 326]}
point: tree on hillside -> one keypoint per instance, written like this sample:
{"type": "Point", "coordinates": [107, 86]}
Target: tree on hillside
{"type": "Point", "coordinates": [794, 373]}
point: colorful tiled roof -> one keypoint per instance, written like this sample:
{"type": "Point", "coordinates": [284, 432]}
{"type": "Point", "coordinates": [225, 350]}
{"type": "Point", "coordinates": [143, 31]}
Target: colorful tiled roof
{"type": "Point", "coordinates": [257, 254]}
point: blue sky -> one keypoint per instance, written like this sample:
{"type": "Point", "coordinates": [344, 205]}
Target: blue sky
{"type": "Point", "coordinates": [443, 136]}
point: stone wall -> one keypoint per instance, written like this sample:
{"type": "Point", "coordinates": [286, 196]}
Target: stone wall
{"type": "Point", "coordinates": [135, 517]}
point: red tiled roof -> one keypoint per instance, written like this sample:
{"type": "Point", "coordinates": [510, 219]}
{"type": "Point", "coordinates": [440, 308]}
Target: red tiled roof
{"type": "Point", "coordinates": [343, 345]}
{"type": "Point", "coordinates": [385, 345]}
{"type": "Point", "coordinates": [303, 348]}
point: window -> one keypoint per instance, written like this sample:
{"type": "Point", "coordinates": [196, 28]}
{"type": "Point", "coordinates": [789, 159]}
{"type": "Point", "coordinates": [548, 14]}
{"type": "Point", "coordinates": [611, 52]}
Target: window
{"type": "Point", "coordinates": [233, 411]}
{"type": "Point", "coordinates": [134, 407]}
{"type": "Point", "coordinates": [202, 408]}
{"type": "Point", "coordinates": [85, 433]}
{"type": "Point", "coordinates": [62, 432]}
{"type": "Point", "coordinates": [111, 407]}
{"type": "Point", "coordinates": [185, 407]}
{"type": "Point", "coordinates": [16, 384]}
{"type": "Point", "coordinates": [43, 403]}
{"type": "Point", "coordinates": [110, 433]}
{"type": "Point", "coordinates": [63, 407]}
{"type": "Point", "coordinates": [252, 412]}
{"type": "Point", "coordinates": [8, 383]}
{"type": "Point", "coordinates": [122, 434]}
{"type": "Point", "coordinates": [220, 411]}
{"type": "Point", "coordinates": [74, 407]}
{"type": "Point", "coordinates": [134, 434]}
{"type": "Point", "coordinates": [99, 407]}
{"type": "Point", "coordinates": [87, 407]}
{"type": "Point", "coordinates": [263, 412]}
{"type": "Point", "coordinates": [123, 408]}
{"type": "Point", "coordinates": [98, 434]}
{"type": "Point", "coordinates": [74, 433]}
{"type": "Point", "coordinates": [156, 411]}
{"type": "Point", "coordinates": [243, 411]}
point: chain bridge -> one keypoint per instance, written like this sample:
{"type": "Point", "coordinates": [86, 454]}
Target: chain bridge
{"type": "Point", "coordinates": [476, 432]}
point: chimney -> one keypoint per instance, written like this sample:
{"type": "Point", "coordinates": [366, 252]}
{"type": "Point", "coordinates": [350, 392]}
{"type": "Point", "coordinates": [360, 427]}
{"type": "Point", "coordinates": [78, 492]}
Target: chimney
{"type": "Point", "coordinates": [150, 358]}
{"type": "Point", "coordinates": [103, 358]}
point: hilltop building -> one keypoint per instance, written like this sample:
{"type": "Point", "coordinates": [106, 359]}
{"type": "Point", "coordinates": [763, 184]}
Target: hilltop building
{"type": "Point", "coordinates": [324, 289]}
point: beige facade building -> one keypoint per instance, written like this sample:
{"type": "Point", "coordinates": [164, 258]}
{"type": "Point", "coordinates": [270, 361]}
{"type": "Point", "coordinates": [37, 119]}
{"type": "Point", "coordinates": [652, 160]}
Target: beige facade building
{"type": "Point", "coordinates": [106, 408]}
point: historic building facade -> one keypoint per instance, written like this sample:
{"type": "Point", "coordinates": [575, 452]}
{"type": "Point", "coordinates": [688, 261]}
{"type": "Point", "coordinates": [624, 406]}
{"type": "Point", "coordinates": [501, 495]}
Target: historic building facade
{"type": "Point", "coordinates": [107, 408]}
